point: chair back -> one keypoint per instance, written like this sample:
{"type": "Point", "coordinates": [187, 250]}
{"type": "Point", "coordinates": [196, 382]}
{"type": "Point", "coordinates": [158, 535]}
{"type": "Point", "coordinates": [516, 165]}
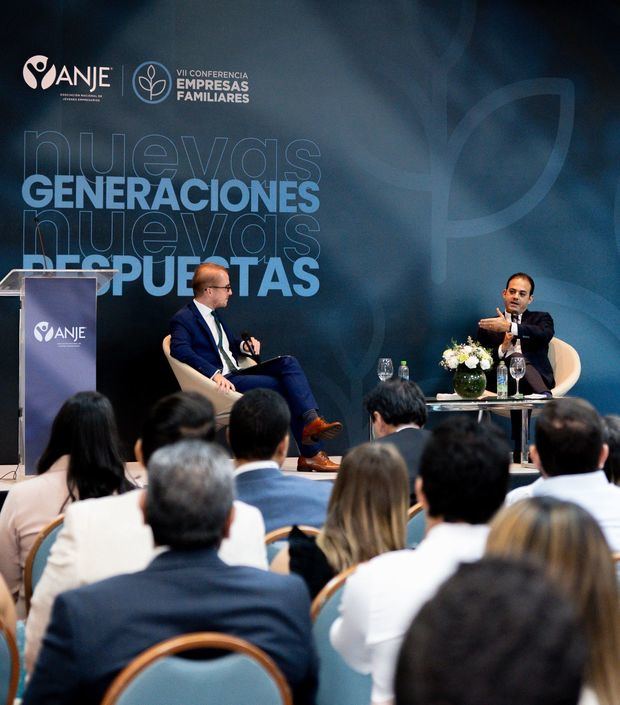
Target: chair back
{"type": "Point", "coordinates": [566, 366]}
{"type": "Point", "coordinates": [190, 380]}
{"type": "Point", "coordinates": [416, 525]}
{"type": "Point", "coordinates": [39, 553]}
{"type": "Point", "coordinates": [339, 684]}
{"type": "Point", "coordinates": [277, 539]}
{"type": "Point", "coordinates": [9, 666]}
{"type": "Point", "coordinates": [159, 676]}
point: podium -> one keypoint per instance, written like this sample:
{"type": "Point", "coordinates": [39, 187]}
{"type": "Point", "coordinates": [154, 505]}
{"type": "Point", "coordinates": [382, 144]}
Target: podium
{"type": "Point", "coordinates": [57, 346]}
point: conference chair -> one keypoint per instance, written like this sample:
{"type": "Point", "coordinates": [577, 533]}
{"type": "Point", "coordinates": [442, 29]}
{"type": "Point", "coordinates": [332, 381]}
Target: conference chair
{"type": "Point", "coordinates": [37, 558]}
{"type": "Point", "coordinates": [339, 684]}
{"type": "Point", "coordinates": [416, 525]}
{"type": "Point", "coordinates": [190, 380]}
{"type": "Point", "coordinates": [9, 666]}
{"type": "Point", "coordinates": [159, 676]}
{"type": "Point", "coordinates": [277, 539]}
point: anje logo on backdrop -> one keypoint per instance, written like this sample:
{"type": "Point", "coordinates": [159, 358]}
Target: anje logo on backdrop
{"type": "Point", "coordinates": [37, 65]}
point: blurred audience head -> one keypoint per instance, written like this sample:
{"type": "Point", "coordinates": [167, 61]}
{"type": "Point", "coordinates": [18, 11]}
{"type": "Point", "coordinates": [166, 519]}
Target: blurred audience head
{"type": "Point", "coordinates": [611, 425]}
{"type": "Point", "coordinates": [395, 403]}
{"type": "Point", "coordinates": [85, 430]}
{"type": "Point", "coordinates": [259, 425]}
{"type": "Point", "coordinates": [367, 510]}
{"type": "Point", "coordinates": [172, 418]}
{"type": "Point", "coordinates": [190, 495]}
{"type": "Point", "coordinates": [570, 547]}
{"type": "Point", "coordinates": [464, 471]}
{"type": "Point", "coordinates": [569, 438]}
{"type": "Point", "coordinates": [496, 633]}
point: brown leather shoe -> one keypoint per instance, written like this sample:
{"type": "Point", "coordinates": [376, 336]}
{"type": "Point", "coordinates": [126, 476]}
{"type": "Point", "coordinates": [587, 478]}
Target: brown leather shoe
{"type": "Point", "coordinates": [317, 463]}
{"type": "Point", "coordinates": [320, 429]}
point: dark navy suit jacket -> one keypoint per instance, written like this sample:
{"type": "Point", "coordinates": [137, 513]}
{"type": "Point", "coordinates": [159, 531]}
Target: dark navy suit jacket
{"type": "Point", "coordinates": [192, 342]}
{"type": "Point", "coordinates": [98, 629]}
{"type": "Point", "coordinates": [282, 499]}
{"type": "Point", "coordinates": [410, 443]}
{"type": "Point", "coordinates": [535, 331]}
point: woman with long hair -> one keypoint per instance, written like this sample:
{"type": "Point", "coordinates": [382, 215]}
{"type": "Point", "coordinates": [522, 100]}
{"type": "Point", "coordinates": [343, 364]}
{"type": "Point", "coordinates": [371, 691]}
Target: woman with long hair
{"type": "Point", "coordinates": [366, 516]}
{"type": "Point", "coordinates": [569, 544]}
{"type": "Point", "coordinates": [82, 460]}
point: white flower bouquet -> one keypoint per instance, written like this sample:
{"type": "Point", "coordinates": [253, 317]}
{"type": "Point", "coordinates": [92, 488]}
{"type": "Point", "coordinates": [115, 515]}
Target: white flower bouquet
{"type": "Point", "coordinates": [470, 354]}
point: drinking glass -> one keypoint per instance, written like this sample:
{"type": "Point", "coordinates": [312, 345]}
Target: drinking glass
{"type": "Point", "coordinates": [385, 368]}
{"type": "Point", "coordinates": [517, 370]}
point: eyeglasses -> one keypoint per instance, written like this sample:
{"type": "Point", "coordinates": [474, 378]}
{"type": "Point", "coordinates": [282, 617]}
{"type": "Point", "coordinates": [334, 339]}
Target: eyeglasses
{"type": "Point", "coordinates": [228, 287]}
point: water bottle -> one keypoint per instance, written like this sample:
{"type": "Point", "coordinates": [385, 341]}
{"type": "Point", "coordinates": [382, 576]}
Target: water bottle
{"type": "Point", "coordinates": [502, 381]}
{"type": "Point", "coordinates": [403, 370]}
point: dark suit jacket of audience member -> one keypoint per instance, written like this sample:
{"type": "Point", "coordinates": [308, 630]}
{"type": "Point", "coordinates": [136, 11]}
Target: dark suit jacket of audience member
{"type": "Point", "coordinates": [96, 630]}
{"type": "Point", "coordinates": [410, 443]}
{"type": "Point", "coordinates": [282, 499]}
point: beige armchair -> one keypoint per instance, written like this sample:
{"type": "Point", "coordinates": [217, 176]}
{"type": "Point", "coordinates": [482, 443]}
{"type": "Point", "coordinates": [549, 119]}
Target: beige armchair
{"type": "Point", "coordinates": [566, 366]}
{"type": "Point", "coordinates": [190, 380]}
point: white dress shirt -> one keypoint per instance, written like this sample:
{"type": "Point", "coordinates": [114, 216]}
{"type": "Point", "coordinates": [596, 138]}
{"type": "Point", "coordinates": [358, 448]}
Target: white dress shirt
{"type": "Point", "coordinates": [383, 596]}
{"type": "Point", "coordinates": [591, 491]}
{"type": "Point", "coordinates": [207, 314]}
{"type": "Point", "coordinates": [515, 345]}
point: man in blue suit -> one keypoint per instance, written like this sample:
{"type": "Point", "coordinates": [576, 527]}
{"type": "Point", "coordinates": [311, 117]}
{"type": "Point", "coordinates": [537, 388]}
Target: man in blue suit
{"type": "Point", "coordinates": [258, 437]}
{"type": "Point", "coordinates": [96, 630]}
{"type": "Point", "coordinates": [200, 338]}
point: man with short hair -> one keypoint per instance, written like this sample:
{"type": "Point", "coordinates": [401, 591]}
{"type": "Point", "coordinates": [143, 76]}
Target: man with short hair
{"type": "Point", "coordinates": [462, 482]}
{"type": "Point", "coordinates": [398, 413]}
{"type": "Point", "coordinates": [107, 536]}
{"type": "Point", "coordinates": [258, 438]}
{"type": "Point", "coordinates": [519, 331]}
{"type": "Point", "coordinates": [96, 630]}
{"type": "Point", "coordinates": [201, 339]}
{"type": "Point", "coordinates": [570, 453]}
{"type": "Point", "coordinates": [527, 649]}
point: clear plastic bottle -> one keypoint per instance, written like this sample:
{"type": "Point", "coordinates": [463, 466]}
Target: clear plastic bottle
{"type": "Point", "coordinates": [502, 380]}
{"type": "Point", "coordinates": [403, 370]}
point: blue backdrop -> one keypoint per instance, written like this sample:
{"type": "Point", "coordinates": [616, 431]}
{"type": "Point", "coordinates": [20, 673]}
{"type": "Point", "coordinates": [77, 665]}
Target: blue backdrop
{"type": "Point", "coordinates": [371, 172]}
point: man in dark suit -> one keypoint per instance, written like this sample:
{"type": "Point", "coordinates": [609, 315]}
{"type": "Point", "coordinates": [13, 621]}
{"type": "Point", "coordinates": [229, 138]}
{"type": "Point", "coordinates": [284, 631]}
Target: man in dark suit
{"type": "Point", "coordinates": [517, 331]}
{"type": "Point", "coordinates": [398, 413]}
{"type": "Point", "coordinates": [200, 338]}
{"type": "Point", "coordinates": [258, 438]}
{"type": "Point", "coordinates": [96, 630]}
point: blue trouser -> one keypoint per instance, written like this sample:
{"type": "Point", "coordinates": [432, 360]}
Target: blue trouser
{"type": "Point", "coordinates": [285, 376]}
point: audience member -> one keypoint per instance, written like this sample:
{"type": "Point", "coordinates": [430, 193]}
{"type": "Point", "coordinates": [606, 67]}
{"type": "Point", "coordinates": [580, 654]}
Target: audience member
{"type": "Point", "coordinates": [8, 616]}
{"type": "Point", "coordinates": [611, 424]}
{"type": "Point", "coordinates": [366, 516]}
{"type": "Point", "coordinates": [258, 435]}
{"type": "Point", "coordinates": [398, 412]}
{"type": "Point", "coordinates": [105, 537]}
{"type": "Point", "coordinates": [98, 629]}
{"type": "Point", "coordinates": [570, 453]}
{"type": "Point", "coordinates": [571, 548]}
{"type": "Point", "coordinates": [496, 633]}
{"type": "Point", "coordinates": [82, 459]}
{"type": "Point", "coordinates": [462, 482]}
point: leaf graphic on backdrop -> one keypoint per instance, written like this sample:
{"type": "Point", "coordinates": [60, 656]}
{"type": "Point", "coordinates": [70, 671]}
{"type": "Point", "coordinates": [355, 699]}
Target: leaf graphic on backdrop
{"type": "Point", "coordinates": [475, 118]}
{"type": "Point", "coordinates": [145, 83]}
{"type": "Point", "coordinates": [455, 43]}
{"type": "Point", "coordinates": [158, 88]}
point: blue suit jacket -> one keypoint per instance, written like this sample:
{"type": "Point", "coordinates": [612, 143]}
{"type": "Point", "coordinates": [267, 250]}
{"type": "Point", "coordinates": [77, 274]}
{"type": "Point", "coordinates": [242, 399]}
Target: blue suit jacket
{"type": "Point", "coordinates": [97, 629]}
{"type": "Point", "coordinates": [192, 342]}
{"type": "Point", "coordinates": [284, 500]}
